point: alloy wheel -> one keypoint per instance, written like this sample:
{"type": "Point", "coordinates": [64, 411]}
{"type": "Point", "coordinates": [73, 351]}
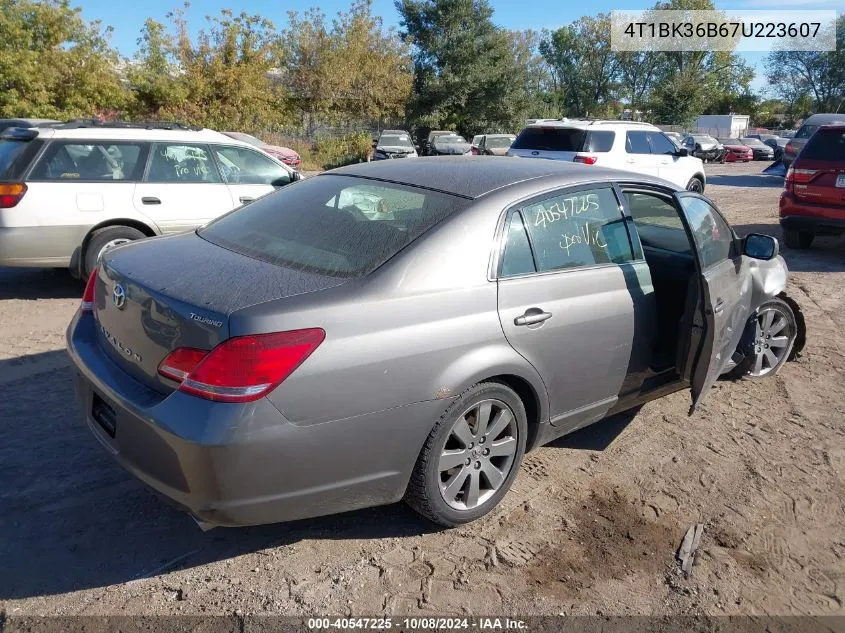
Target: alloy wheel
{"type": "Point", "coordinates": [478, 454]}
{"type": "Point", "coordinates": [773, 339]}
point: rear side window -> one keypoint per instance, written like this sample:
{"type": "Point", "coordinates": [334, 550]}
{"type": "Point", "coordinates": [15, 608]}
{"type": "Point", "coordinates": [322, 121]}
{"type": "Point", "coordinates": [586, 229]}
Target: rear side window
{"type": "Point", "coordinates": [826, 145]}
{"type": "Point", "coordinates": [550, 139]}
{"type": "Point", "coordinates": [637, 143]}
{"type": "Point", "coordinates": [517, 258]}
{"type": "Point", "coordinates": [339, 226]}
{"type": "Point", "coordinates": [90, 161]}
{"type": "Point", "coordinates": [599, 141]}
{"type": "Point", "coordinates": [15, 157]}
{"type": "Point", "coordinates": [182, 164]}
{"type": "Point", "coordinates": [579, 228]}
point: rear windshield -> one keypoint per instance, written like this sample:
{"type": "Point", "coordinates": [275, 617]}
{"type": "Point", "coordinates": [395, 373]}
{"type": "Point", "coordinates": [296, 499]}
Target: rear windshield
{"type": "Point", "coordinates": [332, 225]}
{"type": "Point", "coordinates": [14, 157]}
{"type": "Point", "coordinates": [806, 131]}
{"type": "Point", "coordinates": [498, 141]}
{"type": "Point", "coordinates": [826, 145]}
{"type": "Point", "coordinates": [566, 139]}
{"type": "Point", "coordinates": [395, 141]}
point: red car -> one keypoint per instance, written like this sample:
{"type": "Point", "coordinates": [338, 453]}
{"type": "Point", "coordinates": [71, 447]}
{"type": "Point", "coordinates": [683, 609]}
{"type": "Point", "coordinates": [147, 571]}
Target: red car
{"type": "Point", "coordinates": [735, 150]}
{"type": "Point", "coordinates": [284, 154]}
{"type": "Point", "coordinates": [813, 199]}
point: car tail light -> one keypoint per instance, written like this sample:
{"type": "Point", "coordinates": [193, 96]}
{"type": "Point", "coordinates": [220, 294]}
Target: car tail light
{"type": "Point", "coordinates": [241, 369]}
{"type": "Point", "coordinates": [180, 362]}
{"type": "Point", "coordinates": [800, 175]}
{"type": "Point", "coordinates": [11, 194]}
{"type": "Point", "coordinates": [586, 159]}
{"type": "Point", "coordinates": [87, 304]}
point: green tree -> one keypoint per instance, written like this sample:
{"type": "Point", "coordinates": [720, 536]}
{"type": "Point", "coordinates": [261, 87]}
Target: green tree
{"type": "Point", "coordinates": [465, 74]}
{"type": "Point", "coordinates": [353, 70]}
{"type": "Point", "coordinates": [819, 74]}
{"type": "Point", "coordinates": [223, 79]}
{"type": "Point", "coordinates": [54, 64]}
{"type": "Point", "coordinates": [586, 69]}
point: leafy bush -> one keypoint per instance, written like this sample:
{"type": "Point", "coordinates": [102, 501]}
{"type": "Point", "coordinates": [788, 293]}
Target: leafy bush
{"type": "Point", "coordinates": [326, 152]}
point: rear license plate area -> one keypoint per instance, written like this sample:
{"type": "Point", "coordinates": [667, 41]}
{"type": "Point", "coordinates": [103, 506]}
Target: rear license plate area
{"type": "Point", "coordinates": [104, 415]}
{"type": "Point", "coordinates": [840, 180]}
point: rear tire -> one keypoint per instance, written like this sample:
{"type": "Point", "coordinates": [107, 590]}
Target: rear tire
{"type": "Point", "coordinates": [103, 239]}
{"type": "Point", "coordinates": [696, 185]}
{"type": "Point", "coordinates": [798, 239]}
{"type": "Point", "coordinates": [447, 490]}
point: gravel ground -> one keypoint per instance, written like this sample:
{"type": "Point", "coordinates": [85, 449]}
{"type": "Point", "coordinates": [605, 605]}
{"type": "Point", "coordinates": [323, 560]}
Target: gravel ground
{"type": "Point", "coordinates": [591, 526]}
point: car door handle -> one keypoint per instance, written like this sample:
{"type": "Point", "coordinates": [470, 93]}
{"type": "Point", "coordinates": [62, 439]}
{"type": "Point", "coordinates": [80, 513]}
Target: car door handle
{"type": "Point", "coordinates": [532, 316]}
{"type": "Point", "coordinates": [719, 307]}
{"type": "Point", "coordinates": [150, 200]}
{"type": "Point", "coordinates": [246, 199]}
{"type": "Point", "coordinates": [632, 160]}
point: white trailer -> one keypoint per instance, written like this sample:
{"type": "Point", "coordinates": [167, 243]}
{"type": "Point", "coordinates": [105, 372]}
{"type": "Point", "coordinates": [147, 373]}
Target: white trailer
{"type": "Point", "coordinates": [724, 125]}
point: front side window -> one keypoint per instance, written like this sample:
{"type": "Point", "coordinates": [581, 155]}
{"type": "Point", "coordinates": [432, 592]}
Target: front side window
{"type": "Point", "coordinates": [712, 235]}
{"type": "Point", "coordinates": [660, 144]}
{"type": "Point", "coordinates": [241, 166]}
{"type": "Point", "coordinates": [339, 226]}
{"type": "Point", "coordinates": [101, 161]}
{"type": "Point", "coordinates": [579, 228]}
{"type": "Point", "coordinates": [637, 143]}
{"type": "Point", "coordinates": [171, 163]}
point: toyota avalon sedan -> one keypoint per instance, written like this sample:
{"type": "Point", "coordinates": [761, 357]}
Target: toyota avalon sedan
{"type": "Point", "coordinates": [409, 329]}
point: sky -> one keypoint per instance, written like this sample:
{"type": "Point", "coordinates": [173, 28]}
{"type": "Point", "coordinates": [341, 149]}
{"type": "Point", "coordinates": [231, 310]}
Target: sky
{"type": "Point", "coordinates": [127, 19]}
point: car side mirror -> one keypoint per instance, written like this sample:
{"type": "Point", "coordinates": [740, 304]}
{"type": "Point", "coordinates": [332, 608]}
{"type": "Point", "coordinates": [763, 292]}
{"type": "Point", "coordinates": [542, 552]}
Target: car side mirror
{"type": "Point", "coordinates": [760, 246]}
{"type": "Point", "coordinates": [682, 151]}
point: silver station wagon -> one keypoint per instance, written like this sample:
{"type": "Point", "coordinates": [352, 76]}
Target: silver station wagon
{"type": "Point", "coordinates": [409, 329]}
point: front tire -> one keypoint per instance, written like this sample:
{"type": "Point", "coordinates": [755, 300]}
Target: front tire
{"type": "Point", "coordinates": [104, 239]}
{"type": "Point", "coordinates": [471, 456]}
{"type": "Point", "coordinates": [775, 335]}
{"type": "Point", "coordinates": [696, 185]}
{"type": "Point", "coordinates": [798, 239]}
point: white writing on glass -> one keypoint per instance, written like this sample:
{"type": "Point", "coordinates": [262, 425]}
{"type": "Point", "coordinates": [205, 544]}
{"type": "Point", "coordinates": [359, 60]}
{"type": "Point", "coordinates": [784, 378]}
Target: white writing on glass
{"type": "Point", "coordinates": [566, 208]}
{"type": "Point", "coordinates": [587, 236]}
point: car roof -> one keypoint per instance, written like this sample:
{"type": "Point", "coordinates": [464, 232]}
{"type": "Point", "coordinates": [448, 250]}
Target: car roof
{"type": "Point", "coordinates": [473, 177]}
{"type": "Point", "coordinates": [824, 117]}
{"type": "Point", "coordinates": [138, 134]}
{"type": "Point", "coordinates": [590, 123]}
{"type": "Point", "coordinates": [500, 135]}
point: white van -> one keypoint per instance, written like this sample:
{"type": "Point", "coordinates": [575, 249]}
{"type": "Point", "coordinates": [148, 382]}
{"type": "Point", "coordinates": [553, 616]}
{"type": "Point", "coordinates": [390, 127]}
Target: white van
{"type": "Point", "coordinates": [70, 192]}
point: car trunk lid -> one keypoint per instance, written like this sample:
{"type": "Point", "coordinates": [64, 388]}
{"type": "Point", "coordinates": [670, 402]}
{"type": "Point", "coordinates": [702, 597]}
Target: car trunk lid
{"type": "Point", "coordinates": [154, 297]}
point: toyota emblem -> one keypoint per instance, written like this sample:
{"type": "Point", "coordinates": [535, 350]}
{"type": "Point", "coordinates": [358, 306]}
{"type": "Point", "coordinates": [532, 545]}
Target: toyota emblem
{"type": "Point", "coordinates": [118, 297]}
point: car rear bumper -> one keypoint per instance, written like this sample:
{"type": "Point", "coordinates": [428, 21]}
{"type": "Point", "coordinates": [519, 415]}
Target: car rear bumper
{"type": "Point", "coordinates": [800, 215]}
{"type": "Point", "coordinates": [39, 246]}
{"type": "Point", "coordinates": [244, 464]}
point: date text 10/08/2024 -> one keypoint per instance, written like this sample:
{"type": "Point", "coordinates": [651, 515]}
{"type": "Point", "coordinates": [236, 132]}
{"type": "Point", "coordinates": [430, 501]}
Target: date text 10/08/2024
{"type": "Point", "coordinates": [416, 624]}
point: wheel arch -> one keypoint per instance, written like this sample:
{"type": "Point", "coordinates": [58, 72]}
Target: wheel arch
{"type": "Point", "coordinates": [534, 410]}
{"type": "Point", "coordinates": [77, 262]}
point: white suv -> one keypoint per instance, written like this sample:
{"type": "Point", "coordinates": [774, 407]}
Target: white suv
{"type": "Point", "coordinates": [628, 145]}
{"type": "Point", "coordinates": [69, 192]}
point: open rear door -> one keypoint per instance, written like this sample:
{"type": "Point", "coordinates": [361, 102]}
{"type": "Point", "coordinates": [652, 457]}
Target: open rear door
{"type": "Point", "coordinates": [718, 301]}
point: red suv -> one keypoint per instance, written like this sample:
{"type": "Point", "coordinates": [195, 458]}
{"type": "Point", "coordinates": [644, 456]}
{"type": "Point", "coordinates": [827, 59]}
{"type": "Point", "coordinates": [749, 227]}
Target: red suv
{"type": "Point", "coordinates": [813, 199]}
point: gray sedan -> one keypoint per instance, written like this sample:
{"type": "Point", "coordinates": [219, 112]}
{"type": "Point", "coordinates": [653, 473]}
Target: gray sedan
{"type": "Point", "coordinates": [409, 329]}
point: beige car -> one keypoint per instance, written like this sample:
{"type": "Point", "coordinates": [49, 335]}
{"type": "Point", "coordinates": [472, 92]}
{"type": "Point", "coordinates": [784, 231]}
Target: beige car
{"type": "Point", "coordinates": [495, 144]}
